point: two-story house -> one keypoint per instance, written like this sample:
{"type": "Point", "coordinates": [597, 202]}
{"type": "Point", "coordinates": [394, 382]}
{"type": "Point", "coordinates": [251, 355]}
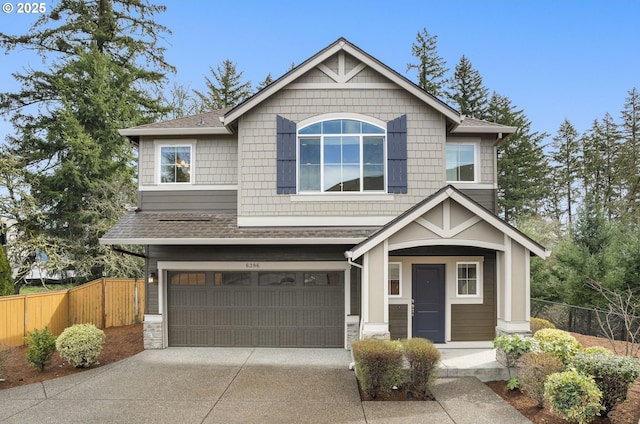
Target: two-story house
{"type": "Point", "coordinates": [340, 202]}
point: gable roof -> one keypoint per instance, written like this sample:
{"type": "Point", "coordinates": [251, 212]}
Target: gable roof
{"type": "Point", "coordinates": [447, 192]}
{"type": "Point", "coordinates": [341, 44]}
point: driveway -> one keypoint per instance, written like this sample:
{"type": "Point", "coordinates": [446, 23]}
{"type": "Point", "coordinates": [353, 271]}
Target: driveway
{"type": "Point", "coordinates": [238, 385]}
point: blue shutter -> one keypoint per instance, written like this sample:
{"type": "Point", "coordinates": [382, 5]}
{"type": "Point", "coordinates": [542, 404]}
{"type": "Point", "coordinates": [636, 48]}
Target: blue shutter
{"type": "Point", "coordinates": [397, 155]}
{"type": "Point", "coordinates": [286, 155]}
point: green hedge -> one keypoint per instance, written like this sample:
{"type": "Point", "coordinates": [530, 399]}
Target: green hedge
{"type": "Point", "coordinates": [80, 344]}
{"type": "Point", "coordinates": [42, 345]}
{"type": "Point", "coordinates": [573, 396]}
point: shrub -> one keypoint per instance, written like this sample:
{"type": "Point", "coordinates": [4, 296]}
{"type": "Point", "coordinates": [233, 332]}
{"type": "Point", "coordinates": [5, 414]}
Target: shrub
{"type": "Point", "coordinates": [80, 344]}
{"type": "Point", "coordinates": [558, 342]}
{"type": "Point", "coordinates": [597, 349]}
{"type": "Point", "coordinates": [515, 345]}
{"type": "Point", "coordinates": [613, 374]}
{"type": "Point", "coordinates": [538, 324]}
{"type": "Point", "coordinates": [534, 368]}
{"type": "Point", "coordinates": [573, 396]}
{"type": "Point", "coordinates": [423, 358]}
{"type": "Point", "coordinates": [41, 344]}
{"type": "Point", "coordinates": [378, 366]}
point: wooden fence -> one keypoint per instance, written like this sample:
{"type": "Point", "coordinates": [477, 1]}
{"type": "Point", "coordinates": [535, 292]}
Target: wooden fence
{"type": "Point", "coordinates": [106, 302]}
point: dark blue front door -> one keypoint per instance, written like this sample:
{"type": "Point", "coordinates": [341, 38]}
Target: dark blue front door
{"type": "Point", "coordinates": [429, 302]}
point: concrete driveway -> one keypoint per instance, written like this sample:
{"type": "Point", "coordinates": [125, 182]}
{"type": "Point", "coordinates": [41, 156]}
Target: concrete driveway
{"type": "Point", "coordinates": [238, 385]}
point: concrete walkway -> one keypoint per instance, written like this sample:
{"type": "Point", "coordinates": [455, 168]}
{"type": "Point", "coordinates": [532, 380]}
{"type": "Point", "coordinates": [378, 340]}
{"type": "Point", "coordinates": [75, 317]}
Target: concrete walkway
{"type": "Point", "coordinates": [243, 385]}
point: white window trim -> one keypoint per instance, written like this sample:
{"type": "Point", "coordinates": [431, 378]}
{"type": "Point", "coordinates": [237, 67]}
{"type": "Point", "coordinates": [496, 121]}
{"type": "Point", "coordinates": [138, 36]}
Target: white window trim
{"type": "Point", "coordinates": [399, 278]}
{"type": "Point", "coordinates": [478, 280]}
{"type": "Point", "coordinates": [476, 159]}
{"type": "Point", "coordinates": [158, 145]}
{"type": "Point", "coordinates": [333, 116]}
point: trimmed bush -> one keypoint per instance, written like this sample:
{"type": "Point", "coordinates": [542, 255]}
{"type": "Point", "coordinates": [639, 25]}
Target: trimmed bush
{"type": "Point", "coordinates": [378, 366]}
{"type": "Point", "coordinates": [537, 324]}
{"type": "Point", "coordinates": [80, 344]}
{"type": "Point", "coordinates": [613, 375]}
{"type": "Point", "coordinates": [597, 349]}
{"type": "Point", "coordinates": [423, 358]}
{"type": "Point", "coordinates": [42, 345]}
{"type": "Point", "coordinates": [533, 369]}
{"type": "Point", "coordinates": [573, 396]}
{"type": "Point", "coordinates": [513, 346]}
{"type": "Point", "coordinates": [558, 342]}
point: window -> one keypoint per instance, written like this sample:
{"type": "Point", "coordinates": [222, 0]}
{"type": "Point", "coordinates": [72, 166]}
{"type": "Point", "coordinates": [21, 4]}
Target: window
{"type": "Point", "coordinates": [461, 162]}
{"type": "Point", "coordinates": [467, 279]}
{"type": "Point", "coordinates": [175, 164]}
{"type": "Point", "coordinates": [341, 155]}
{"type": "Point", "coordinates": [394, 279]}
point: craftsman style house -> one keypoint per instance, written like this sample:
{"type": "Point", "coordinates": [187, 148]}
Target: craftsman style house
{"type": "Point", "coordinates": [340, 202]}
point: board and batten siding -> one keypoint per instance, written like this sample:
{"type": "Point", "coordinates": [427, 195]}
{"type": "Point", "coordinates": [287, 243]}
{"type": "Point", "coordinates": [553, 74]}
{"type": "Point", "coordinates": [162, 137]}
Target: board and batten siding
{"type": "Point", "coordinates": [188, 200]}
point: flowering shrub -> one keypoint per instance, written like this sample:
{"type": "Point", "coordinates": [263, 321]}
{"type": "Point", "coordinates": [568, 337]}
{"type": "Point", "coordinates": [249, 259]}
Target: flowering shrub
{"type": "Point", "coordinates": [573, 396]}
{"type": "Point", "coordinates": [80, 344]}
{"type": "Point", "coordinates": [613, 374]}
{"type": "Point", "coordinates": [558, 342]}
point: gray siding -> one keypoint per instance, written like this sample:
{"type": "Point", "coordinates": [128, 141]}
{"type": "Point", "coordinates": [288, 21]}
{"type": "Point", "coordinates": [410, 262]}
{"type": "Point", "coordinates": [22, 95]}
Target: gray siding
{"type": "Point", "coordinates": [488, 198]}
{"type": "Point", "coordinates": [234, 253]}
{"type": "Point", "coordinates": [398, 321]}
{"type": "Point", "coordinates": [192, 200]}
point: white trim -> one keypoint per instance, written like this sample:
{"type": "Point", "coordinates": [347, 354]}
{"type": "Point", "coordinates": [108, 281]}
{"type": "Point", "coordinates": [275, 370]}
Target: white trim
{"type": "Point", "coordinates": [128, 132]}
{"type": "Point", "coordinates": [499, 283]}
{"type": "Point", "coordinates": [346, 197]}
{"type": "Point", "coordinates": [338, 115]}
{"type": "Point", "coordinates": [399, 295]}
{"type": "Point", "coordinates": [446, 242]}
{"type": "Point", "coordinates": [385, 288]}
{"type": "Point", "coordinates": [153, 318]}
{"type": "Point", "coordinates": [467, 185]}
{"type": "Point", "coordinates": [507, 278]}
{"type": "Point", "coordinates": [476, 159]}
{"type": "Point", "coordinates": [189, 187]}
{"type": "Point", "coordinates": [229, 241]}
{"type": "Point", "coordinates": [527, 284]}
{"type": "Point", "coordinates": [464, 345]}
{"type": "Point", "coordinates": [479, 287]}
{"type": "Point", "coordinates": [253, 266]}
{"type": "Point", "coordinates": [342, 86]}
{"type": "Point", "coordinates": [364, 284]}
{"type": "Point", "coordinates": [157, 174]}
{"type": "Point", "coordinates": [514, 326]}
{"type": "Point", "coordinates": [313, 221]}
{"type": "Point", "coordinates": [375, 328]}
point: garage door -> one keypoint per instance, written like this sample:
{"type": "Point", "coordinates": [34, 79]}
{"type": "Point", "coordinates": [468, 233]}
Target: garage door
{"type": "Point", "coordinates": [274, 308]}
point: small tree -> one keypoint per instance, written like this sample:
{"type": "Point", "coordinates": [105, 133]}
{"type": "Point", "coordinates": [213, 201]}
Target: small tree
{"type": "Point", "coordinates": [224, 89]}
{"type": "Point", "coordinates": [6, 282]}
{"type": "Point", "coordinates": [41, 344]}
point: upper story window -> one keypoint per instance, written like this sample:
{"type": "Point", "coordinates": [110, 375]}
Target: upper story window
{"type": "Point", "coordinates": [176, 163]}
{"type": "Point", "coordinates": [462, 162]}
{"type": "Point", "coordinates": [341, 155]}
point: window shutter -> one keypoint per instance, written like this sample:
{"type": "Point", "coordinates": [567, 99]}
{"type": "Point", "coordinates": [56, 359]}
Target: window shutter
{"type": "Point", "coordinates": [286, 155]}
{"type": "Point", "coordinates": [397, 155]}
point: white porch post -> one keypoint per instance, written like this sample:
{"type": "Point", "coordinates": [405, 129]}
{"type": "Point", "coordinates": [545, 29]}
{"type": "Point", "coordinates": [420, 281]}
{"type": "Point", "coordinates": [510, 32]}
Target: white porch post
{"type": "Point", "coordinates": [375, 299]}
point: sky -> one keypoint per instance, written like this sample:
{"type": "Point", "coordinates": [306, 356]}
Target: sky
{"type": "Point", "coordinates": [555, 60]}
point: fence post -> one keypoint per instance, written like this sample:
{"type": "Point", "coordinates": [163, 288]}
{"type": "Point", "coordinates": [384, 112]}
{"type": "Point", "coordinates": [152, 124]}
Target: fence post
{"type": "Point", "coordinates": [104, 303]}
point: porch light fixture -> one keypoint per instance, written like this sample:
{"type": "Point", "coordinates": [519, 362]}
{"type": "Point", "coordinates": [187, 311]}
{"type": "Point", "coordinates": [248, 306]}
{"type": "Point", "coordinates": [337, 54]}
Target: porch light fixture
{"type": "Point", "coordinates": [153, 278]}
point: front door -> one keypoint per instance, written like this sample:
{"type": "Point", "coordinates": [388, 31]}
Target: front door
{"type": "Point", "coordinates": [429, 302]}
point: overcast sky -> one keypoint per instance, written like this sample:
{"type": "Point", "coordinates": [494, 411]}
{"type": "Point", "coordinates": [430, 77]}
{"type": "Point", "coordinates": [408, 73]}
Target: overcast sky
{"type": "Point", "coordinates": [553, 59]}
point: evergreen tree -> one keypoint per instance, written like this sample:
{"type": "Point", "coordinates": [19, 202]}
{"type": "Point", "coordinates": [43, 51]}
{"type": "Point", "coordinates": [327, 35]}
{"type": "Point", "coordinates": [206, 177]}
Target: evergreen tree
{"type": "Point", "coordinates": [101, 62]}
{"type": "Point", "coordinates": [6, 281]}
{"type": "Point", "coordinates": [630, 157]}
{"type": "Point", "coordinates": [592, 162]}
{"type": "Point", "coordinates": [467, 91]}
{"type": "Point", "coordinates": [610, 137]}
{"type": "Point", "coordinates": [431, 67]}
{"type": "Point", "coordinates": [522, 167]}
{"type": "Point", "coordinates": [226, 89]}
{"type": "Point", "coordinates": [268, 80]}
{"type": "Point", "coordinates": [565, 170]}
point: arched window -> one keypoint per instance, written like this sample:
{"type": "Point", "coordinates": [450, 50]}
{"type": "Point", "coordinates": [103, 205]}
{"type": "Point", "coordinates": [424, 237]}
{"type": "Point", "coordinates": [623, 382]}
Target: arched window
{"type": "Point", "coordinates": [341, 155]}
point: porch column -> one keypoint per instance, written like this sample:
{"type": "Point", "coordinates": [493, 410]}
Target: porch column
{"type": "Point", "coordinates": [513, 288]}
{"type": "Point", "coordinates": [375, 299]}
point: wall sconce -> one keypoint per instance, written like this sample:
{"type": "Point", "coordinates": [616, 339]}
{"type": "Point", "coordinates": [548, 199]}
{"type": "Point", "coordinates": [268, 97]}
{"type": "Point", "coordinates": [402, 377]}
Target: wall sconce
{"type": "Point", "coordinates": [153, 278]}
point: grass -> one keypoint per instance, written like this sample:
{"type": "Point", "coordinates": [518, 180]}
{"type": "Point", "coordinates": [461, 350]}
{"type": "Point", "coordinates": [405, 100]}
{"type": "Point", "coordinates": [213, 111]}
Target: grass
{"type": "Point", "coordinates": [45, 289]}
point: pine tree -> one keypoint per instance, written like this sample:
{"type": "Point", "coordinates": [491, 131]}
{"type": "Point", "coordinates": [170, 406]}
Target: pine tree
{"type": "Point", "coordinates": [630, 157]}
{"type": "Point", "coordinates": [267, 80]}
{"type": "Point", "coordinates": [466, 90]}
{"type": "Point", "coordinates": [610, 137]}
{"type": "Point", "coordinates": [566, 170]}
{"type": "Point", "coordinates": [522, 167]}
{"type": "Point", "coordinates": [431, 67]}
{"type": "Point", "coordinates": [101, 62]}
{"type": "Point", "coordinates": [226, 89]}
